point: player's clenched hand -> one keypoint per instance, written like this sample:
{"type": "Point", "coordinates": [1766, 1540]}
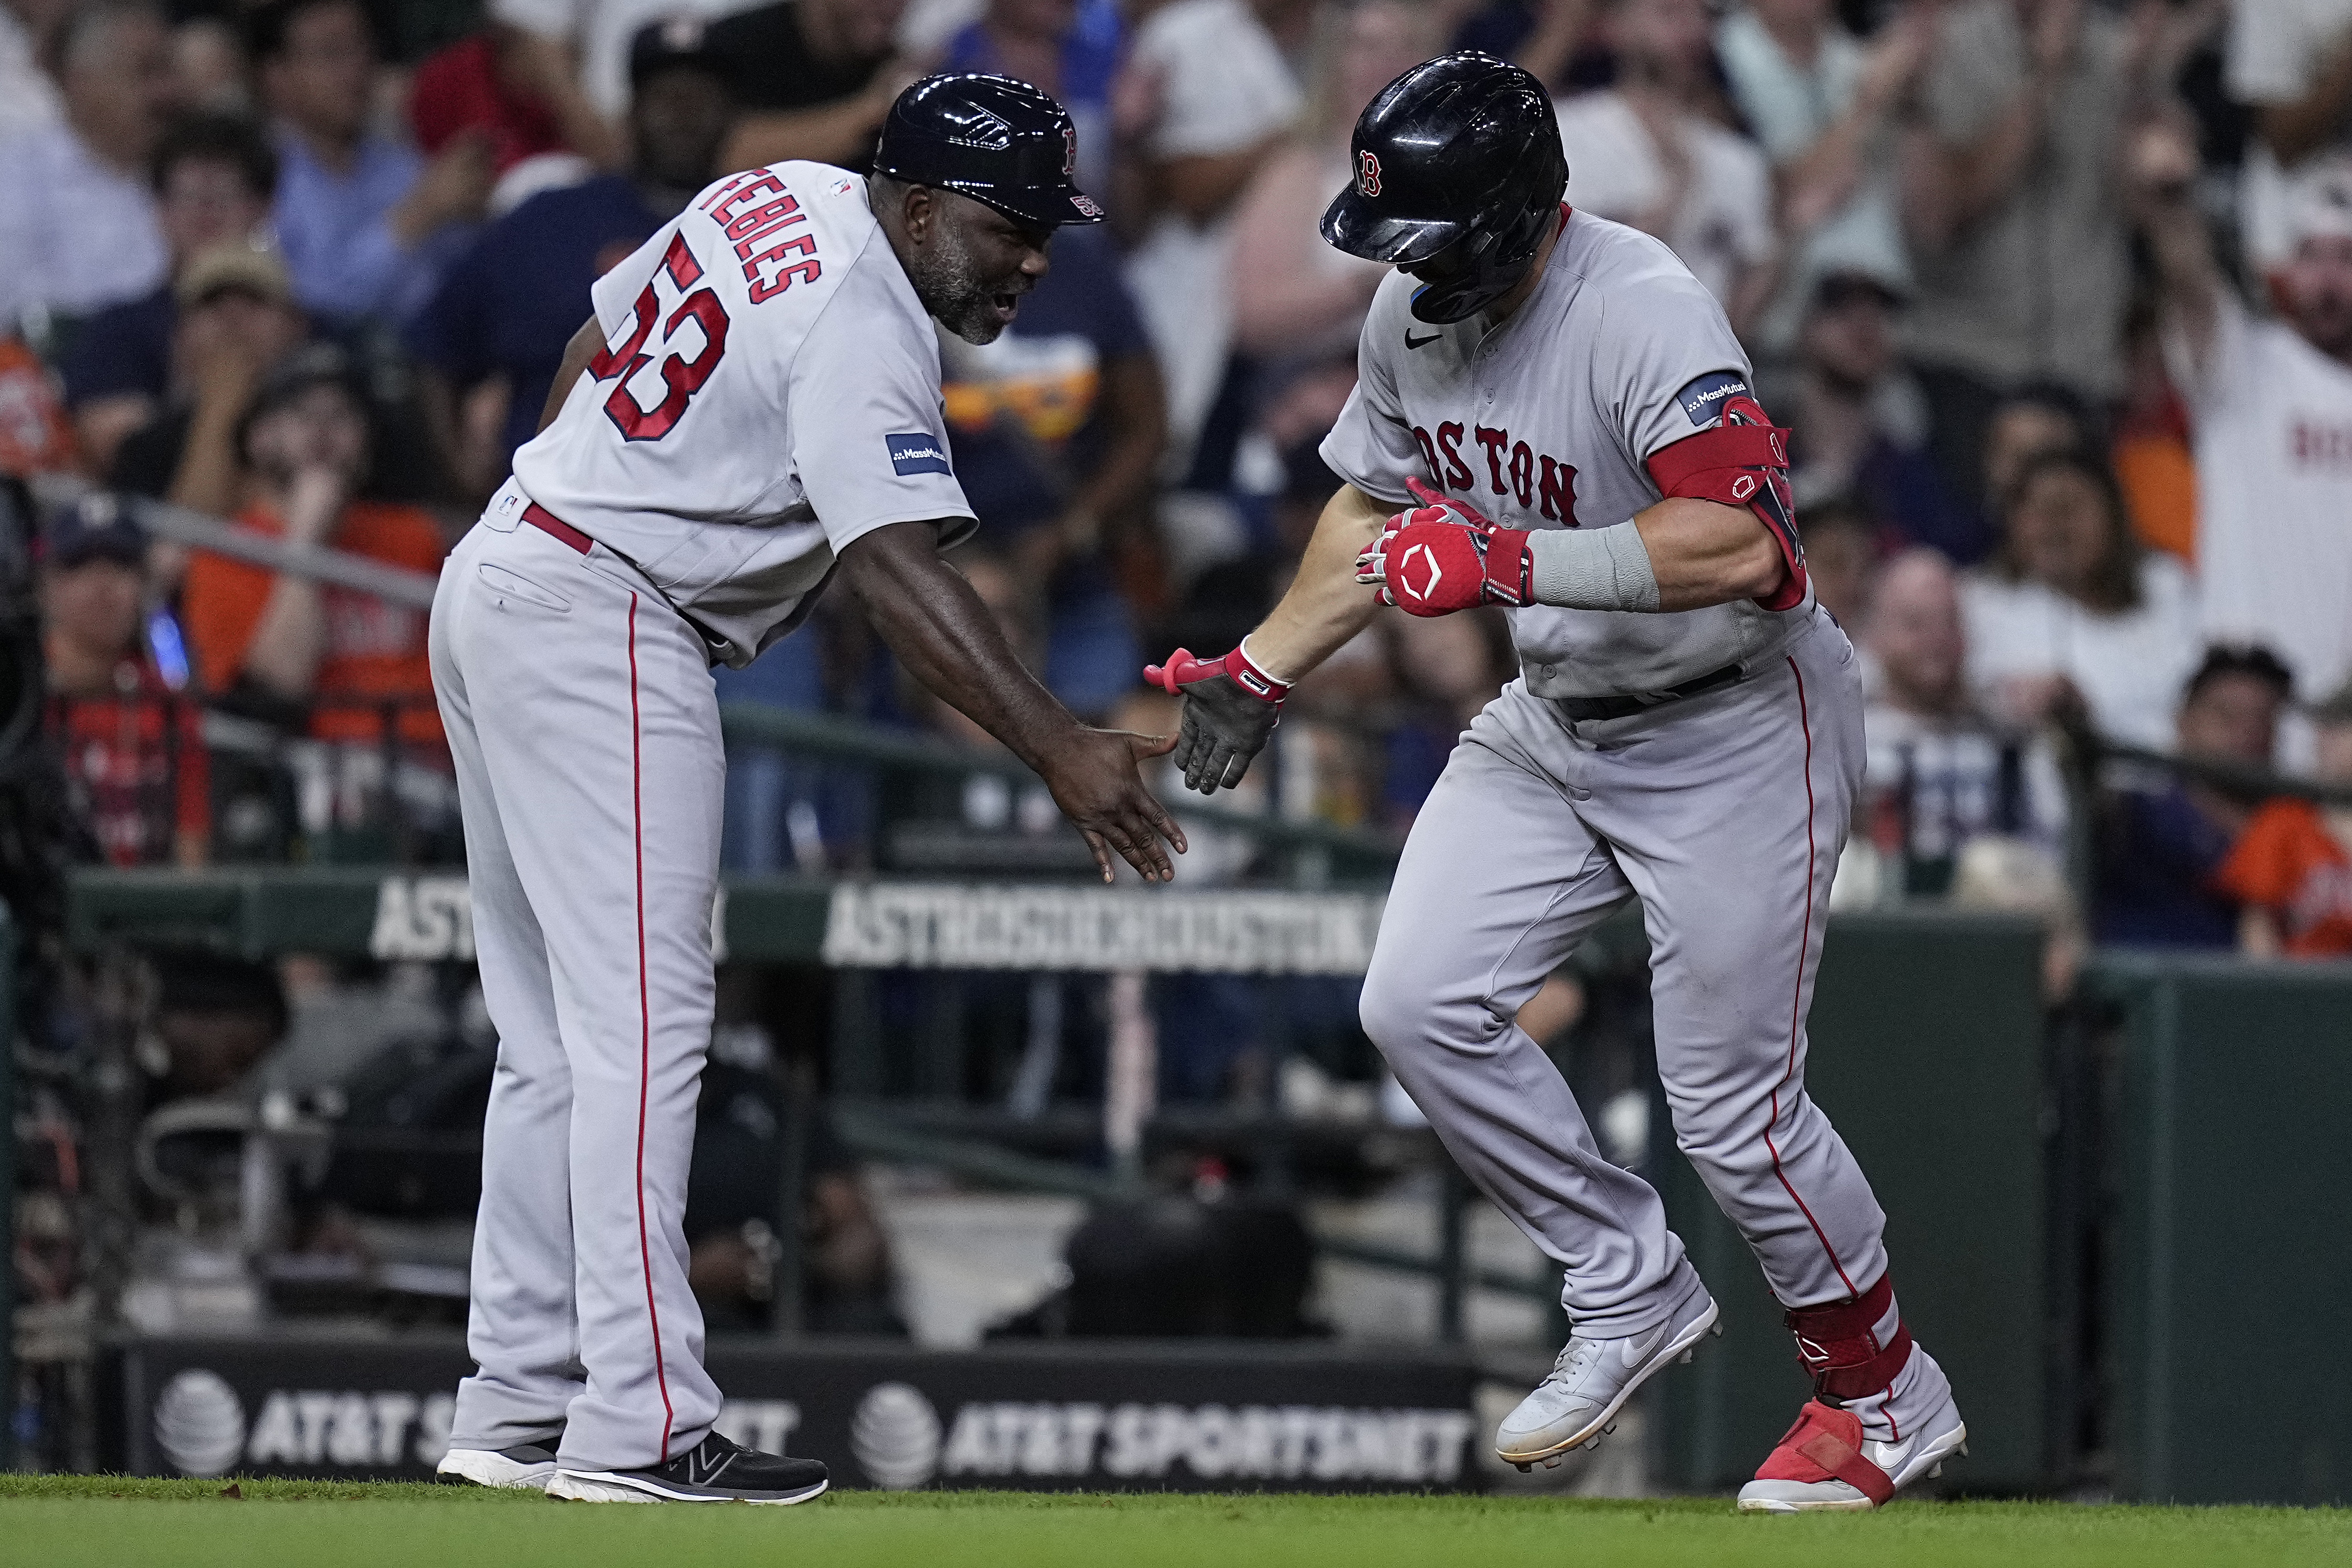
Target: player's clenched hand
{"type": "Point", "coordinates": [1231, 706]}
{"type": "Point", "coordinates": [1444, 555]}
{"type": "Point", "coordinates": [1094, 782]}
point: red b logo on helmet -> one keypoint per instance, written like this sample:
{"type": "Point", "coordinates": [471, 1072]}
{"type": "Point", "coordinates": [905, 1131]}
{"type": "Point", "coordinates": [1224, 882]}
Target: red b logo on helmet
{"type": "Point", "coordinates": [1367, 173]}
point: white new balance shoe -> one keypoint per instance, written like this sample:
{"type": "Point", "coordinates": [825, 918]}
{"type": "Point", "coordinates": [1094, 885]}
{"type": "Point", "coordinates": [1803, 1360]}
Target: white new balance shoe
{"type": "Point", "coordinates": [526, 1467]}
{"type": "Point", "coordinates": [1825, 1464]}
{"type": "Point", "coordinates": [1591, 1381]}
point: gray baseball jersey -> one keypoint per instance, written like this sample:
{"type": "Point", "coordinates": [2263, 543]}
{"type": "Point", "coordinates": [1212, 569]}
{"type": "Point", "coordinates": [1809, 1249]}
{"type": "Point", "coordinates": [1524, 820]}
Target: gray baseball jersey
{"type": "Point", "coordinates": [1723, 811]}
{"type": "Point", "coordinates": [769, 392]}
{"type": "Point", "coordinates": [1548, 421]}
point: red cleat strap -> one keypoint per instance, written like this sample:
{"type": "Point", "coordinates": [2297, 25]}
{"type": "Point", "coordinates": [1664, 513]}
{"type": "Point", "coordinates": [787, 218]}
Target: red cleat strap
{"type": "Point", "coordinates": [1826, 1445]}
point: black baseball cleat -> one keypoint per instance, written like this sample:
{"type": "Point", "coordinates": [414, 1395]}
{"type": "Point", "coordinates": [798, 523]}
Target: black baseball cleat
{"type": "Point", "coordinates": [713, 1470]}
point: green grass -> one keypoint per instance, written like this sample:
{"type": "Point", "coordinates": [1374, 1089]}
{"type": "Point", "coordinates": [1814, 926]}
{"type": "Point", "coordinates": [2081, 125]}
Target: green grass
{"type": "Point", "coordinates": [54, 1521]}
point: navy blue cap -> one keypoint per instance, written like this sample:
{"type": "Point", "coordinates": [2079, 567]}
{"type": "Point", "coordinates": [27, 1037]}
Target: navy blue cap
{"type": "Point", "coordinates": [990, 138]}
{"type": "Point", "coordinates": [96, 527]}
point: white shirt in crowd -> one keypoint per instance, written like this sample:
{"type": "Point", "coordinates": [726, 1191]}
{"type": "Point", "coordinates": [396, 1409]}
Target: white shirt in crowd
{"type": "Point", "coordinates": [1225, 88]}
{"type": "Point", "coordinates": [28, 97]}
{"type": "Point", "coordinates": [1790, 107]}
{"type": "Point", "coordinates": [600, 30]}
{"type": "Point", "coordinates": [2275, 50]}
{"type": "Point", "coordinates": [1725, 222]}
{"type": "Point", "coordinates": [75, 235]}
{"type": "Point", "coordinates": [2130, 668]}
{"type": "Point", "coordinates": [2272, 417]}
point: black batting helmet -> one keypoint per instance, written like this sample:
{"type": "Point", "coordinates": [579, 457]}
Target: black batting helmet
{"type": "Point", "coordinates": [994, 138]}
{"type": "Point", "coordinates": [1461, 150]}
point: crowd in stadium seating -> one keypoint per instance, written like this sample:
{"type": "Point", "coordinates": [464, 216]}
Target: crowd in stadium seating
{"type": "Point", "coordinates": [2056, 294]}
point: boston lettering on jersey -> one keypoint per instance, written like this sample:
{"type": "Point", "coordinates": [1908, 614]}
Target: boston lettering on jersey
{"type": "Point", "coordinates": [752, 227]}
{"type": "Point", "coordinates": [1514, 468]}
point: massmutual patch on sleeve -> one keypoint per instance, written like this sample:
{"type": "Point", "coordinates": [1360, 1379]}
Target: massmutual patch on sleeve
{"type": "Point", "coordinates": [1703, 399]}
{"type": "Point", "coordinates": [918, 453]}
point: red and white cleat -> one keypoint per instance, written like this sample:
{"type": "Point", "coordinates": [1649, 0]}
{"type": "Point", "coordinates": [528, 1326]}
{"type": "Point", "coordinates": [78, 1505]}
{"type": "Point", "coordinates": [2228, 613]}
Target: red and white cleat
{"type": "Point", "coordinates": [1825, 1464]}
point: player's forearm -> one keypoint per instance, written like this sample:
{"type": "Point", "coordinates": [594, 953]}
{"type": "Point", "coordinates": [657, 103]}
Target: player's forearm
{"type": "Point", "coordinates": [1325, 606]}
{"type": "Point", "coordinates": [1705, 552]}
{"type": "Point", "coordinates": [931, 619]}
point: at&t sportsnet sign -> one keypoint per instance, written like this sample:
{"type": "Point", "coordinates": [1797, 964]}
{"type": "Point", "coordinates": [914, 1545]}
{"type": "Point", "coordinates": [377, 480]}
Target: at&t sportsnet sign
{"type": "Point", "coordinates": [1048, 1416]}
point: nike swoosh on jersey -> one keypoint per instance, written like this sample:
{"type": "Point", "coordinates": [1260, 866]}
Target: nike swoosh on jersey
{"type": "Point", "coordinates": [1413, 343]}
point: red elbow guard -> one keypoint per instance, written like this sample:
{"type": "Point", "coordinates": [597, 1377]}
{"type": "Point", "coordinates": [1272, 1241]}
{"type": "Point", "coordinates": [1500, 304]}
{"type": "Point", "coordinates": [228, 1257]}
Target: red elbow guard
{"type": "Point", "coordinates": [1744, 462]}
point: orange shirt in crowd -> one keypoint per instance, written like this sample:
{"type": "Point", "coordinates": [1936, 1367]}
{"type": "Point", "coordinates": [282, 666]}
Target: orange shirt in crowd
{"type": "Point", "coordinates": [2159, 478]}
{"type": "Point", "coordinates": [2287, 862]}
{"type": "Point", "coordinates": [374, 649]}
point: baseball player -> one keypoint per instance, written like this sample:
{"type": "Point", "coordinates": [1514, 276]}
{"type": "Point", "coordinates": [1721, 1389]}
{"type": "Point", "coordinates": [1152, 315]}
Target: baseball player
{"type": "Point", "coordinates": [752, 411]}
{"type": "Point", "coordinates": [1685, 729]}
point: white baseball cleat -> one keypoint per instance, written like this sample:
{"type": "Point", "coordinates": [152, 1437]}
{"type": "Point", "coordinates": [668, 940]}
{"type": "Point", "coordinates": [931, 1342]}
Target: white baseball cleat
{"type": "Point", "coordinates": [1825, 1464]}
{"type": "Point", "coordinates": [1591, 1381]}
{"type": "Point", "coordinates": [527, 1468]}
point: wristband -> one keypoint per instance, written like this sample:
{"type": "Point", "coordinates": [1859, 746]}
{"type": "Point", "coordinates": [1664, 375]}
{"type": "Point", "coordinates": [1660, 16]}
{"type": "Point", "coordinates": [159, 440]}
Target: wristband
{"type": "Point", "coordinates": [1593, 569]}
{"type": "Point", "coordinates": [1182, 669]}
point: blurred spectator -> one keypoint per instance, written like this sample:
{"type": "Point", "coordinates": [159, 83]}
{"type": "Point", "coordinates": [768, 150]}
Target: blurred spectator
{"type": "Point", "coordinates": [1645, 152]}
{"type": "Point", "coordinates": [365, 222]}
{"type": "Point", "coordinates": [2150, 451]}
{"type": "Point", "coordinates": [77, 229]}
{"type": "Point", "coordinates": [28, 96]}
{"type": "Point", "coordinates": [1861, 421]}
{"type": "Point", "coordinates": [2291, 62]}
{"type": "Point", "coordinates": [235, 317]}
{"type": "Point", "coordinates": [1205, 97]}
{"type": "Point", "coordinates": [1445, 669]}
{"type": "Point", "coordinates": [2292, 869]}
{"type": "Point", "coordinates": [215, 1017]}
{"type": "Point", "coordinates": [1553, 39]}
{"type": "Point", "coordinates": [541, 134]}
{"type": "Point", "coordinates": [1298, 304]}
{"type": "Point", "coordinates": [1841, 553]}
{"type": "Point", "coordinates": [2069, 619]}
{"type": "Point", "coordinates": [1066, 47]}
{"type": "Point", "coordinates": [132, 748]}
{"type": "Point", "coordinates": [208, 69]}
{"type": "Point", "coordinates": [2272, 406]}
{"type": "Point", "coordinates": [2012, 207]}
{"type": "Point", "coordinates": [281, 642]}
{"type": "Point", "coordinates": [2034, 421]}
{"type": "Point", "coordinates": [214, 175]}
{"type": "Point", "coordinates": [1058, 426]}
{"type": "Point", "coordinates": [812, 78]}
{"type": "Point", "coordinates": [505, 310]}
{"type": "Point", "coordinates": [2158, 849]}
{"type": "Point", "coordinates": [1823, 108]}
{"type": "Point", "coordinates": [1940, 773]}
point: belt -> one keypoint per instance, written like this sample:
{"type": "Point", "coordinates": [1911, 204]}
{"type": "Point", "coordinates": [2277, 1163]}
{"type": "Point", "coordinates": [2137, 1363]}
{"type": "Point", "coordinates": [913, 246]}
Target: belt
{"type": "Point", "coordinates": [1583, 709]}
{"type": "Point", "coordinates": [554, 527]}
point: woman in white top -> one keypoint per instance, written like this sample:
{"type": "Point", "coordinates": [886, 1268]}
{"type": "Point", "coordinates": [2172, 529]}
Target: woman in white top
{"type": "Point", "coordinates": [2070, 613]}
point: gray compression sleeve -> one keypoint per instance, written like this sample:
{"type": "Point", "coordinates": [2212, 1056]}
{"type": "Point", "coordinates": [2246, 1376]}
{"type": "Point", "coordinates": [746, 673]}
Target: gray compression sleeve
{"type": "Point", "coordinates": [1592, 568]}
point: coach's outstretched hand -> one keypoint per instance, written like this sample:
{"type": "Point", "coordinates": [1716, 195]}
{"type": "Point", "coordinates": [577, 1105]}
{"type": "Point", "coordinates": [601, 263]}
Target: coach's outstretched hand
{"type": "Point", "coordinates": [1231, 706]}
{"type": "Point", "coordinates": [1094, 780]}
{"type": "Point", "coordinates": [945, 637]}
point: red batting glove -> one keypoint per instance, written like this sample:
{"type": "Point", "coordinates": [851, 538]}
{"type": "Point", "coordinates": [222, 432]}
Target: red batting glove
{"type": "Point", "coordinates": [1445, 556]}
{"type": "Point", "coordinates": [1182, 671]}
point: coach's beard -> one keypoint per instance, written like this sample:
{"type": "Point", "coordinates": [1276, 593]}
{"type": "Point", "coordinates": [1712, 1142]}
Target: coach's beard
{"type": "Point", "coordinates": [968, 306]}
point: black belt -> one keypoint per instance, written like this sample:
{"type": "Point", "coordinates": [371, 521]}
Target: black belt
{"type": "Point", "coordinates": [1583, 709]}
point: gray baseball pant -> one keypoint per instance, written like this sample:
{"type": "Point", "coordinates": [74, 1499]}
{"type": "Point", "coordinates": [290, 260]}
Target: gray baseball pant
{"type": "Point", "coordinates": [1724, 813]}
{"type": "Point", "coordinates": [581, 714]}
